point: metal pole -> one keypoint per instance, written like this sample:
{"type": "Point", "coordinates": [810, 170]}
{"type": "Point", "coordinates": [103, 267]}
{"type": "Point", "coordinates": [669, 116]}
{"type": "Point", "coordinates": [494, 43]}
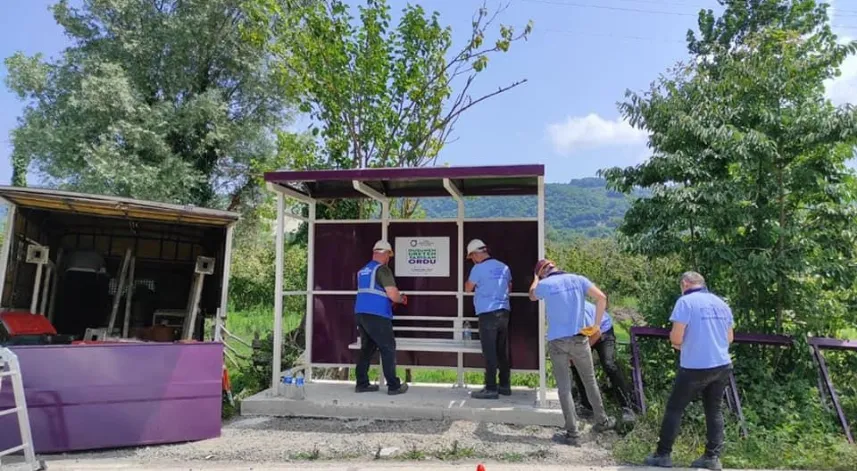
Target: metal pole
{"type": "Point", "coordinates": [190, 317]}
{"type": "Point", "coordinates": [37, 285]}
{"type": "Point", "coordinates": [7, 248]}
{"type": "Point", "coordinates": [55, 286]}
{"type": "Point", "coordinates": [126, 322]}
{"type": "Point", "coordinates": [542, 327]}
{"type": "Point", "coordinates": [458, 324]}
{"type": "Point", "coordinates": [224, 293]}
{"type": "Point", "coordinates": [47, 291]}
{"type": "Point", "coordinates": [276, 361]}
{"type": "Point", "coordinates": [119, 285]}
{"type": "Point", "coordinates": [310, 283]}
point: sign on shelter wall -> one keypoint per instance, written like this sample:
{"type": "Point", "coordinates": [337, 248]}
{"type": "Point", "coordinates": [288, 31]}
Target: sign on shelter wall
{"type": "Point", "coordinates": [422, 256]}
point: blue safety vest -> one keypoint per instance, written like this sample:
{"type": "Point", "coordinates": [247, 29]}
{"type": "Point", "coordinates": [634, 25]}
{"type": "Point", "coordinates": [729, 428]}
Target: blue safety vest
{"type": "Point", "coordinates": [371, 296]}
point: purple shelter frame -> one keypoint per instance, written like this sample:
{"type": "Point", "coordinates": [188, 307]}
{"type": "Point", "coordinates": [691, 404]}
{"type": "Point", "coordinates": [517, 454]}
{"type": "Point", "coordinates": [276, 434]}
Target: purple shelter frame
{"type": "Point", "coordinates": [382, 185]}
{"type": "Point", "coordinates": [818, 344]}
{"type": "Point", "coordinates": [732, 397]}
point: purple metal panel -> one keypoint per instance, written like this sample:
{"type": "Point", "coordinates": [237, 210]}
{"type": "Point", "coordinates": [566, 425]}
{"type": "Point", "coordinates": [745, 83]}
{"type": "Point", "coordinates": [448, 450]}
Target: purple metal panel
{"type": "Point", "coordinates": [637, 373]}
{"type": "Point", "coordinates": [410, 173]}
{"type": "Point", "coordinates": [832, 344]}
{"type": "Point", "coordinates": [759, 339]}
{"type": "Point", "coordinates": [340, 250]}
{"type": "Point", "coordinates": [736, 401]}
{"type": "Point", "coordinates": [344, 248]}
{"type": "Point", "coordinates": [828, 381]}
{"type": "Point", "coordinates": [86, 397]}
{"type": "Point", "coordinates": [740, 337]}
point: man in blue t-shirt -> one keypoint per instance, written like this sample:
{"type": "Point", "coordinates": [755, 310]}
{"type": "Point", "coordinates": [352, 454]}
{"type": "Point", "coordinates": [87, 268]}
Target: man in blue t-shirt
{"type": "Point", "coordinates": [490, 282]}
{"type": "Point", "coordinates": [564, 295]}
{"type": "Point", "coordinates": [702, 331]}
{"type": "Point", "coordinates": [604, 342]}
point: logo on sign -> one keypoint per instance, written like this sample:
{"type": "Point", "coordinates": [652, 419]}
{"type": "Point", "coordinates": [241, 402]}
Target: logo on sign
{"type": "Point", "coordinates": [422, 252]}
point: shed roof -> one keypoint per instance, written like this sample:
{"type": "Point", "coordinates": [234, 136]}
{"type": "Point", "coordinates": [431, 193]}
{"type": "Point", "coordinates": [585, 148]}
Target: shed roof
{"type": "Point", "coordinates": [114, 206]}
{"type": "Point", "coordinates": [495, 180]}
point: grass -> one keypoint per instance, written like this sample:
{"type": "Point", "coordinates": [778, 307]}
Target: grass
{"type": "Point", "coordinates": [762, 449]}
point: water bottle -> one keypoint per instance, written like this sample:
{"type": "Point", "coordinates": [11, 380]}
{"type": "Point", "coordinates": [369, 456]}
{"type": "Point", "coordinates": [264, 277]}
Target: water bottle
{"type": "Point", "coordinates": [287, 384]}
{"type": "Point", "coordinates": [300, 392]}
{"type": "Point", "coordinates": [467, 334]}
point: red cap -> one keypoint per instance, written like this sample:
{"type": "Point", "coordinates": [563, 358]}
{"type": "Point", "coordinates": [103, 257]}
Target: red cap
{"type": "Point", "coordinates": [541, 264]}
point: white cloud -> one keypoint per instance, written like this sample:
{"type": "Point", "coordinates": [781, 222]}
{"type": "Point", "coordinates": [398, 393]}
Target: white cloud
{"type": "Point", "coordinates": [842, 89]}
{"type": "Point", "coordinates": [593, 131]}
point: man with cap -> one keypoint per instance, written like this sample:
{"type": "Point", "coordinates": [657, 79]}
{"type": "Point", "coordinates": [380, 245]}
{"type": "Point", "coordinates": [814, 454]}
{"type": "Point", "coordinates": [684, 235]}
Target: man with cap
{"type": "Point", "coordinates": [376, 293]}
{"type": "Point", "coordinates": [604, 342]}
{"type": "Point", "coordinates": [490, 282]}
{"type": "Point", "coordinates": [702, 331]}
{"type": "Point", "coordinates": [564, 295]}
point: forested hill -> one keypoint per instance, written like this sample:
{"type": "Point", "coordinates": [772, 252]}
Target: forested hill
{"type": "Point", "coordinates": [581, 207]}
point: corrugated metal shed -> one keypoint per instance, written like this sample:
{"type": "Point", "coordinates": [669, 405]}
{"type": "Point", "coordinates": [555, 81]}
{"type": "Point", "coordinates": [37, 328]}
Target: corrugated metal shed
{"type": "Point", "coordinates": [114, 207]}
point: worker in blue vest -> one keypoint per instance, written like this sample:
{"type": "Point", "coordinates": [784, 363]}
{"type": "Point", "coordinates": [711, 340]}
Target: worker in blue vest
{"type": "Point", "coordinates": [376, 293]}
{"type": "Point", "coordinates": [702, 331]}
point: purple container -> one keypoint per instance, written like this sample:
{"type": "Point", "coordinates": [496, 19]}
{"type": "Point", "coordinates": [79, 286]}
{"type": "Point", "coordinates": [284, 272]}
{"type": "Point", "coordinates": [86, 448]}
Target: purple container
{"type": "Point", "coordinates": [86, 397]}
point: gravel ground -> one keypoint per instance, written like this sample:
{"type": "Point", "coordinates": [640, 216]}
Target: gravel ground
{"type": "Point", "coordinates": [278, 440]}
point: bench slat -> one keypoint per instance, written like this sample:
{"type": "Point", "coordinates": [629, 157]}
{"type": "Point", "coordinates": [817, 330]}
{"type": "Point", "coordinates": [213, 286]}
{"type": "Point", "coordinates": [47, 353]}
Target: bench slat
{"type": "Point", "coordinates": [432, 345]}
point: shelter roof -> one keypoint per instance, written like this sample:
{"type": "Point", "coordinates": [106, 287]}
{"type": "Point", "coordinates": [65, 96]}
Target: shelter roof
{"type": "Point", "coordinates": [495, 180]}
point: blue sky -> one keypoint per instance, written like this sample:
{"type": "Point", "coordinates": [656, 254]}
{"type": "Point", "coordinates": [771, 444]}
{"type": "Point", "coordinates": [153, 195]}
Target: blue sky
{"type": "Point", "coordinates": [580, 59]}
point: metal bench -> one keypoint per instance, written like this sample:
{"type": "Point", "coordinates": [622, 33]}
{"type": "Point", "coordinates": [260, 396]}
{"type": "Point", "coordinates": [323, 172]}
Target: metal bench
{"type": "Point", "coordinates": [457, 344]}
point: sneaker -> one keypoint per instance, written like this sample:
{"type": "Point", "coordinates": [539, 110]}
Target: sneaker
{"type": "Point", "coordinates": [367, 388]}
{"type": "Point", "coordinates": [707, 462]}
{"type": "Point", "coordinates": [628, 415]}
{"type": "Point", "coordinates": [566, 438]}
{"type": "Point", "coordinates": [608, 424]}
{"type": "Point", "coordinates": [485, 394]}
{"type": "Point", "coordinates": [403, 388]}
{"type": "Point", "coordinates": [505, 391]}
{"type": "Point", "coordinates": [659, 461]}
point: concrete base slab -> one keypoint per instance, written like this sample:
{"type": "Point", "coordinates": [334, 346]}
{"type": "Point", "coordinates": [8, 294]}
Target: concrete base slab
{"type": "Point", "coordinates": [337, 399]}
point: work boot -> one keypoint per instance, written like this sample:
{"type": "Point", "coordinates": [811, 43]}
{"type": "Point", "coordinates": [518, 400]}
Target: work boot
{"type": "Point", "coordinates": [584, 412]}
{"type": "Point", "coordinates": [608, 424]}
{"type": "Point", "coordinates": [659, 461]}
{"type": "Point", "coordinates": [485, 394]}
{"type": "Point", "coordinates": [505, 390]}
{"type": "Point", "coordinates": [566, 438]}
{"type": "Point", "coordinates": [367, 388]}
{"type": "Point", "coordinates": [707, 462]}
{"type": "Point", "coordinates": [403, 388]}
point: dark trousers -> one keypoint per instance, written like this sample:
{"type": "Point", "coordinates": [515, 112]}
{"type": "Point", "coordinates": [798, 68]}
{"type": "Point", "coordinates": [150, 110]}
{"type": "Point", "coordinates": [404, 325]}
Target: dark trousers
{"type": "Point", "coordinates": [606, 348]}
{"type": "Point", "coordinates": [494, 336]}
{"type": "Point", "coordinates": [711, 384]}
{"type": "Point", "coordinates": [376, 334]}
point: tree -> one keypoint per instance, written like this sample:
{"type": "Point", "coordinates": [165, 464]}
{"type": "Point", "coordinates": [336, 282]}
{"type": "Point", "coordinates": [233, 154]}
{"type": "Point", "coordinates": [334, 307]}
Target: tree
{"type": "Point", "coordinates": [380, 95]}
{"type": "Point", "coordinates": [748, 176]}
{"type": "Point", "coordinates": [156, 99]}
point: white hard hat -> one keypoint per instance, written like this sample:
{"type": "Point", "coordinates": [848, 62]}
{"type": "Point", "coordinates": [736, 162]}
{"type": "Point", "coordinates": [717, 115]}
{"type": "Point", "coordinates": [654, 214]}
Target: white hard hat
{"type": "Point", "coordinates": [475, 245]}
{"type": "Point", "coordinates": [383, 246]}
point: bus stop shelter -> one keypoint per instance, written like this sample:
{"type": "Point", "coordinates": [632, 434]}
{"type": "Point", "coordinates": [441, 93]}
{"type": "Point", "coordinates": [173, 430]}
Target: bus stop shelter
{"type": "Point", "coordinates": [429, 264]}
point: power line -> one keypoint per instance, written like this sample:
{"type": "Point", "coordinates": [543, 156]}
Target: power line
{"type": "Point", "coordinates": [610, 8]}
{"type": "Point", "coordinates": [616, 36]}
{"type": "Point", "coordinates": [637, 10]}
